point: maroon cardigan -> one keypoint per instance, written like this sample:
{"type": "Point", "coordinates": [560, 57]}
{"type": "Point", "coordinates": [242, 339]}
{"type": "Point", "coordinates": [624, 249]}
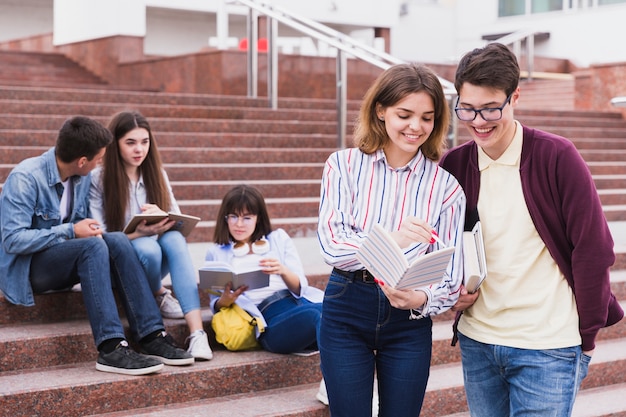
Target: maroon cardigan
{"type": "Point", "coordinates": [565, 208]}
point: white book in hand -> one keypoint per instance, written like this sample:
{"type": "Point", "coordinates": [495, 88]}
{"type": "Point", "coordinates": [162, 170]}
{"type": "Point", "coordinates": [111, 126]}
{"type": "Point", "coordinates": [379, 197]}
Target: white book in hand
{"type": "Point", "coordinates": [384, 258]}
{"type": "Point", "coordinates": [215, 275]}
{"type": "Point", "coordinates": [474, 260]}
{"type": "Point", "coordinates": [184, 222]}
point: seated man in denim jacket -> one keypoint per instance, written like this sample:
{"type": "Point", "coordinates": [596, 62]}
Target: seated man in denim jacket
{"type": "Point", "coordinates": [48, 242]}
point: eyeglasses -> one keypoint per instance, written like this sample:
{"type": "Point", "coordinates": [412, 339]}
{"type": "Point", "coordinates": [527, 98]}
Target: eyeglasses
{"type": "Point", "coordinates": [247, 219]}
{"type": "Point", "coordinates": [489, 114]}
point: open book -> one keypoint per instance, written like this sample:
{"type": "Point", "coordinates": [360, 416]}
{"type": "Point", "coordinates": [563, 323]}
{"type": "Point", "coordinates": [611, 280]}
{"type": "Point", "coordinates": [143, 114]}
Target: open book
{"type": "Point", "coordinates": [384, 258]}
{"type": "Point", "coordinates": [215, 275]}
{"type": "Point", "coordinates": [184, 222]}
{"type": "Point", "coordinates": [474, 260]}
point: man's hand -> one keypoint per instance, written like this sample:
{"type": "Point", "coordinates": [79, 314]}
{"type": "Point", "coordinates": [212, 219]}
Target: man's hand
{"type": "Point", "coordinates": [465, 299]}
{"type": "Point", "coordinates": [87, 228]}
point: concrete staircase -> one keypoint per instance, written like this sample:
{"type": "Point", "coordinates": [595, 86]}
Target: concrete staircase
{"type": "Point", "coordinates": [210, 143]}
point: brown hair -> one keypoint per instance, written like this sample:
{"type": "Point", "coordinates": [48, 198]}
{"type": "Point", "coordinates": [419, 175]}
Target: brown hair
{"type": "Point", "coordinates": [393, 85]}
{"type": "Point", "coordinates": [493, 66]}
{"type": "Point", "coordinates": [242, 199]}
{"type": "Point", "coordinates": [115, 182]}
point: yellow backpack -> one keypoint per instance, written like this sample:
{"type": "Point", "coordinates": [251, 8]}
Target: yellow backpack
{"type": "Point", "coordinates": [235, 328]}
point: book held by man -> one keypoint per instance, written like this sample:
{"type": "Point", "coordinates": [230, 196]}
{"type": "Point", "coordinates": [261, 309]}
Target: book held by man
{"type": "Point", "coordinates": [184, 222]}
{"type": "Point", "coordinates": [214, 275]}
{"type": "Point", "coordinates": [384, 258]}
{"type": "Point", "coordinates": [474, 260]}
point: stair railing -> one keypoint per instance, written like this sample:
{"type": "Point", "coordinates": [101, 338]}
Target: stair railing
{"type": "Point", "coordinates": [515, 39]}
{"type": "Point", "coordinates": [345, 45]}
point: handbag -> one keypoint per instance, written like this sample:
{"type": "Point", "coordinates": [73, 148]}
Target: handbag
{"type": "Point", "coordinates": [235, 328]}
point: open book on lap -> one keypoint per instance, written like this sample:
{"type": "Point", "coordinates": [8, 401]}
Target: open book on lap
{"type": "Point", "coordinates": [384, 258]}
{"type": "Point", "coordinates": [184, 222]}
{"type": "Point", "coordinates": [215, 275]}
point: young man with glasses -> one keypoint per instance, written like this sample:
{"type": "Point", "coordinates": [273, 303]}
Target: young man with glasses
{"type": "Point", "coordinates": [528, 334]}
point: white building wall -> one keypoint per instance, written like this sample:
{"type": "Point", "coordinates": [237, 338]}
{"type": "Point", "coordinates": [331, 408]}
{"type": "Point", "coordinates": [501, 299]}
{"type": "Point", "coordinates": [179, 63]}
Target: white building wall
{"type": "Point", "coordinates": [421, 30]}
{"type": "Point", "coordinates": [79, 20]}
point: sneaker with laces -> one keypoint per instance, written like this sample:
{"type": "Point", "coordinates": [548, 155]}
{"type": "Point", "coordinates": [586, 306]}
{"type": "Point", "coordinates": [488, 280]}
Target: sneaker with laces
{"type": "Point", "coordinates": [163, 348]}
{"type": "Point", "coordinates": [199, 345]}
{"type": "Point", "coordinates": [124, 360]}
{"type": "Point", "coordinates": [169, 306]}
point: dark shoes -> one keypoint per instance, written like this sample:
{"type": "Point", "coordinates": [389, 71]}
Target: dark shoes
{"type": "Point", "coordinates": [124, 360]}
{"type": "Point", "coordinates": [163, 349]}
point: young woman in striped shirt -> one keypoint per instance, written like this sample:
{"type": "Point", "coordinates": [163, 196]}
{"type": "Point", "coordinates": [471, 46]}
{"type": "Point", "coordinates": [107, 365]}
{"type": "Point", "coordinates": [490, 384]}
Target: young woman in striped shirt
{"type": "Point", "coordinates": [390, 178]}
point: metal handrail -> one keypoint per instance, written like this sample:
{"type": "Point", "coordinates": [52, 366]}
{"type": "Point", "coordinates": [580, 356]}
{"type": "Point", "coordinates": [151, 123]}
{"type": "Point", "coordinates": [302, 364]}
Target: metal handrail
{"type": "Point", "coordinates": [515, 39]}
{"type": "Point", "coordinates": [344, 44]}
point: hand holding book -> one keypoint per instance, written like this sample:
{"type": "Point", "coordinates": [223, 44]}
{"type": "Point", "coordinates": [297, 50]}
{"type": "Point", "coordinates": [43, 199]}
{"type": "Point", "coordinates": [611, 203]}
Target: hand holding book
{"type": "Point", "coordinates": [383, 257]}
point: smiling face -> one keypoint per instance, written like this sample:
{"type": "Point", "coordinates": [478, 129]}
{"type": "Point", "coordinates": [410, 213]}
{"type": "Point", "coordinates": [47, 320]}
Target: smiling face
{"type": "Point", "coordinates": [134, 147]}
{"type": "Point", "coordinates": [494, 137]}
{"type": "Point", "coordinates": [408, 124]}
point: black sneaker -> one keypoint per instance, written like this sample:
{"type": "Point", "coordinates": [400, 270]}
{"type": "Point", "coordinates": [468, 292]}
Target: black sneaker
{"type": "Point", "coordinates": [163, 348]}
{"type": "Point", "coordinates": [124, 360]}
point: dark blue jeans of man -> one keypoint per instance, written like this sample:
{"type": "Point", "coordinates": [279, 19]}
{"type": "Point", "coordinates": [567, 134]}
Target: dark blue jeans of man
{"type": "Point", "coordinates": [99, 265]}
{"type": "Point", "coordinates": [361, 333]}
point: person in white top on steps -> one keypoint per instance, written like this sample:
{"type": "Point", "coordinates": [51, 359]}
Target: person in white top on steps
{"type": "Point", "coordinates": [131, 181]}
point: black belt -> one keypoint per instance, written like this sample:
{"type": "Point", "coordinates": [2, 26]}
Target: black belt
{"type": "Point", "coordinates": [361, 275]}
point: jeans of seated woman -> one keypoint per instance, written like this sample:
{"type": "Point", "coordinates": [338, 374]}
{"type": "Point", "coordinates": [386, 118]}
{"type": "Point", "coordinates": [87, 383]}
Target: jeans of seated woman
{"type": "Point", "coordinates": [170, 254]}
{"type": "Point", "coordinates": [292, 325]}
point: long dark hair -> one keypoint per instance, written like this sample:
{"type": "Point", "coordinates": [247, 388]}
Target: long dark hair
{"type": "Point", "coordinates": [242, 199]}
{"type": "Point", "coordinates": [115, 182]}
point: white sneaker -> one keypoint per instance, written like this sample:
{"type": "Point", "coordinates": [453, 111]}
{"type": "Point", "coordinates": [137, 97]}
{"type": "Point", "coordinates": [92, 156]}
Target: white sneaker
{"type": "Point", "coordinates": [199, 345]}
{"type": "Point", "coordinates": [169, 306]}
{"type": "Point", "coordinates": [322, 395]}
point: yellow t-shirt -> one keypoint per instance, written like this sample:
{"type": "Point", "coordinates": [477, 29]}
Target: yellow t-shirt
{"type": "Point", "coordinates": [525, 301]}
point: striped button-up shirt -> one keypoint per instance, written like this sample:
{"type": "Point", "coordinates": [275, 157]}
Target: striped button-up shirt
{"type": "Point", "coordinates": [359, 190]}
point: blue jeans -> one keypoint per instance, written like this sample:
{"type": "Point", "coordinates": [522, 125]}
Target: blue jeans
{"type": "Point", "coordinates": [361, 333]}
{"type": "Point", "coordinates": [169, 255]}
{"type": "Point", "coordinates": [99, 265]}
{"type": "Point", "coordinates": [292, 325]}
{"type": "Point", "coordinates": [502, 381]}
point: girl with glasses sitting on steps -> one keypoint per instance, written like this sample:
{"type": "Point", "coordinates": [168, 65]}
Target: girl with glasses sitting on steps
{"type": "Point", "coordinates": [289, 306]}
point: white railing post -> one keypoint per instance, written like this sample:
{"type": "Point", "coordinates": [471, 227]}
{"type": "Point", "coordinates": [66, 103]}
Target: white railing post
{"type": "Point", "coordinates": [530, 55]}
{"type": "Point", "coordinates": [253, 35]}
{"type": "Point", "coordinates": [342, 101]}
{"type": "Point", "coordinates": [272, 62]}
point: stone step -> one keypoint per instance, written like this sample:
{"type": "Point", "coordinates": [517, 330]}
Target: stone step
{"type": "Point", "coordinates": [125, 97]}
{"type": "Point", "coordinates": [34, 68]}
{"type": "Point", "coordinates": [295, 401]}
{"type": "Point", "coordinates": [13, 154]}
{"type": "Point", "coordinates": [47, 138]}
{"type": "Point", "coordinates": [607, 401]}
{"type": "Point", "coordinates": [607, 167]}
{"type": "Point", "coordinates": [56, 386]}
{"type": "Point", "coordinates": [228, 171]}
{"type": "Point", "coordinates": [100, 109]}
{"type": "Point", "coordinates": [79, 389]}
{"type": "Point", "coordinates": [51, 122]}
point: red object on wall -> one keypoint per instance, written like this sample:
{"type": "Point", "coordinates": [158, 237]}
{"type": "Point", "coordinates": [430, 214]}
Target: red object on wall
{"type": "Point", "coordinates": [261, 44]}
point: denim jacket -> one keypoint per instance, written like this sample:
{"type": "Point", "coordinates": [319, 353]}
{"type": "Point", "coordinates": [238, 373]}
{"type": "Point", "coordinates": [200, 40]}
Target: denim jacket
{"type": "Point", "coordinates": [30, 220]}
